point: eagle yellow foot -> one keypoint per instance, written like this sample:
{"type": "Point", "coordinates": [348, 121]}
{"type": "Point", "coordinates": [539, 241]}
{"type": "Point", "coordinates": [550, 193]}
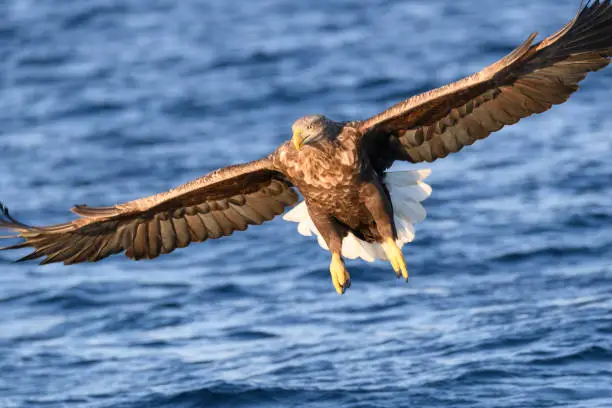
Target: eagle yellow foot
{"type": "Point", "coordinates": [340, 277]}
{"type": "Point", "coordinates": [395, 256]}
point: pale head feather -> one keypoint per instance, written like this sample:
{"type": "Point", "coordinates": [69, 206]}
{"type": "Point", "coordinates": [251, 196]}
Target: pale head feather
{"type": "Point", "coordinates": [312, 128]}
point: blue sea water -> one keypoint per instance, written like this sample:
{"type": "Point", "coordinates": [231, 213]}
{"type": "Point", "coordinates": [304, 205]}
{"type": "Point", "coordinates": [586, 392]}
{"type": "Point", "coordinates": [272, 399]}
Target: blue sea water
{"type": "Point", "coordinates": [103, 101]}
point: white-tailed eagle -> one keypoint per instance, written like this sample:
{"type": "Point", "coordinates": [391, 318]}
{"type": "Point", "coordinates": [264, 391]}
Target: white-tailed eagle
{"type": "Point", "coordinates": [351, 203]}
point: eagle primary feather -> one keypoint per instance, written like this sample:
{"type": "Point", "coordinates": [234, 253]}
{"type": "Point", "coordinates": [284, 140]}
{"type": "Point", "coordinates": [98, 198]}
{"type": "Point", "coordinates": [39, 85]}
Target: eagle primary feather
{"type": "Point", "coordinates": [529, 80]}
{"type": "Point", "coordinates": [353, 206]}
{"type": "Point", "coordinates": [210, 207]}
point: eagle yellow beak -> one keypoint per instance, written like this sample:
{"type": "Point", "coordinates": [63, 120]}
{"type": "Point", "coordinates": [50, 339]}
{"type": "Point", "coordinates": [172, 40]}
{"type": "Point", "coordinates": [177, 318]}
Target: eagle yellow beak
{"type": "Point", "coordinates": [297, 140]}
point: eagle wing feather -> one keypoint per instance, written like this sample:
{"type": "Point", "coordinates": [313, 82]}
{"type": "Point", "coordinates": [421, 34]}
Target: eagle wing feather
{"type": "Point", "coordinates": [529, 80]}
{"type": "Point", "coordinates": [215, 205]}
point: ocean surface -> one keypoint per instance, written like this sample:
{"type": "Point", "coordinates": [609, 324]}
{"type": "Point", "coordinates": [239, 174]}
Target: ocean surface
{"type": "Point", "coordinates": [104, 101]}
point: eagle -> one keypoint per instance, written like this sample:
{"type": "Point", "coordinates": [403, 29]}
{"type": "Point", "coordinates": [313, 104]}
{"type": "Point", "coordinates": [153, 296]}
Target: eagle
{"type": "Point", "coordinates": [352, 203]}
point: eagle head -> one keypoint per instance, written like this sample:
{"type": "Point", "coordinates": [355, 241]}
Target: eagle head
{"type": "Point", "coordinates": [313, 128]}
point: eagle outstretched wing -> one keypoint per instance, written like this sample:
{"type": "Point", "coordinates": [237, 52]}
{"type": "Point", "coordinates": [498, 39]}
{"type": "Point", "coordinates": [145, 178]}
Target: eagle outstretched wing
{"type": "Point", "coordinates": [531, 79]}
{"type": "Point", "coordinates": [227, 200]}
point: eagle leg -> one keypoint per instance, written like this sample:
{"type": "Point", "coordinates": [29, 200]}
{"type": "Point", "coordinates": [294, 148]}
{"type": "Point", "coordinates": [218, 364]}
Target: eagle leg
{"type": "Point", "coordinates": [396, 258]}
{"type": "Point", "coordinates": [381, 209]}
{"type": "Point", "coordinates": [332, 232]}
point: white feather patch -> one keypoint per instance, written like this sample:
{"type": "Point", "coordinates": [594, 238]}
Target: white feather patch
{"type": "Point", "coordinates": [407, 190]}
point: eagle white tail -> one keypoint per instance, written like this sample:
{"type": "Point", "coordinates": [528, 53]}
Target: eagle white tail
{"type": "Point", "coordinates": [407, 190]}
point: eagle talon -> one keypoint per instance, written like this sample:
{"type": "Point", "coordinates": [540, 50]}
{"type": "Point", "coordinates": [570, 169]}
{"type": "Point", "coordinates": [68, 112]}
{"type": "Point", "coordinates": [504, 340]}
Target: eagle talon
{"type": "Point", "coordinates": [340, 277]}
{"type": "Point", "coordinates": [396, 258]}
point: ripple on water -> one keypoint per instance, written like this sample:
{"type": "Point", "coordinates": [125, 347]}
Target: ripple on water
{"type": "Point", "coordinates": [508, 299]}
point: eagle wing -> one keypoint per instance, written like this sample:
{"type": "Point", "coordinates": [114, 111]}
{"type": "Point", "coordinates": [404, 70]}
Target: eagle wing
{"type": "Point", "coordinates": [227, 200]}
{"type": "Point", "coordinates": [531, 79]}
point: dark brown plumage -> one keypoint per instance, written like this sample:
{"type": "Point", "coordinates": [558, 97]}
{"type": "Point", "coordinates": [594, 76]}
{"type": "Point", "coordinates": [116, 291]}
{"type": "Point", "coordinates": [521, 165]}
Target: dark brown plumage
{"type": "Point", "coordinates": [529, 80]}
{"type": "Point", "coordinates": [210, 207]}
{"type": "Point", "coordinates": [339, 168]}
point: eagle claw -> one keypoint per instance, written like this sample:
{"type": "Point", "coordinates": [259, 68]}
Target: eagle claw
{"type": "Point", "coordinates": [340, 277]}
{"type": "Point", "coordinates": [396, 258]}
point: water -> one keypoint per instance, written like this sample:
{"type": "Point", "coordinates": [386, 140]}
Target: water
{"type": "Point", "coordinates": [105, 101]}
